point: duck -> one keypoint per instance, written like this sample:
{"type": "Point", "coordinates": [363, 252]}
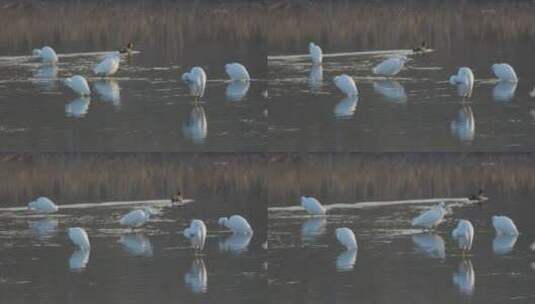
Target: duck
{"type": "Point", "coordinates": [177, 198]}
{"type": "Point", "coordinates": [480, 197]}
{"type": "Point", "coordinates": [128, 49]}
{"type": "Point", "coordinates": [422, 48]}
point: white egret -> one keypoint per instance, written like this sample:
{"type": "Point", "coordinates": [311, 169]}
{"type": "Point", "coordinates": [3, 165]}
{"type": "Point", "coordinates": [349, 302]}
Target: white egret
{"type": "Point", "coordinates": [79, 259]}
{"type": "Point", "coordinates": [197, 278]}
{"type": "Point", "coordinates": [431, 217]}
{"type": "Point", "coordinates": [346, 84]}
{"type": "Point", "coordinates": [465, 278]}
{"type": "Point", "coordinates": [504, 72]}
{"type": "Point", "coordinates": [46, 54]}
{"type": "Point", "coordinates": [316, 55]}
{"type": "Point", "coordinates": [237, 224]}
{"type": "Point", "coordinates": [136, 218]}
{"type": "Point", "coordinates": [312, 206]}
{"type": "Point", "coordinates": [136, 244]}
{"type": "Point", "coordinates": [504, 225]}
{"type": "Point", "coordinates": [196, 233]}
{"type": "Point", "coordinates": [79, 238]}
{"type": "Point", "coordinates": [79, 85]}
{"type": "Point", "coordinates": [464, 235]}
{"type": "Point", "coordinates": [108, 66]}
{"type": "Point", "coordinates": [346, 237]}
{"type": "Point", "coordinates": [196, 79]}
{"type": "Point", "coordinates": [43, 205]}
{"type": "Point", "coordinates": [390, 66]}
{"type": "Point", "coordinates": [196, 126]}
{"type": "Point", "coordinates": [237, 72]}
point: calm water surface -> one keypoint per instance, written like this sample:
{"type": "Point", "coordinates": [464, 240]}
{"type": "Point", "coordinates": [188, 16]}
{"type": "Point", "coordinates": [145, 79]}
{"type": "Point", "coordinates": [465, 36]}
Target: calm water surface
{"type": "Point", "coordinates": [417, 110]}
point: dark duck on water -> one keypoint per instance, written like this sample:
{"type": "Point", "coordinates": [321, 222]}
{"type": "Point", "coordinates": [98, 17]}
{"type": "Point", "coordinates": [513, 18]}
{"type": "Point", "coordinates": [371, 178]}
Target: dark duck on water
{"type": "Point", "coordinates": [480, 197]}
{"type": "Point", "coordinates": [177, 198]}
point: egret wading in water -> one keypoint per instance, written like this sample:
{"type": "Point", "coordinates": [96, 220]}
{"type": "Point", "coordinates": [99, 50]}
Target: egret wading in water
{"type": "Point", "coordinates": [136, 218]}
{"type": "Point", "coordinates": [46, 55]}
{"type": "Point", "coordinates": [237, 224]}
{"type": "Point", "coordinates": [79, 85]}
{"type": "Point", "coordinates": [237, 72]}
{"type": "Point", "coordinates": [504, 72]}
{"type": "Point", "coordinates": [346, 237]}
{"type": "Point", "coordinates": [346, 84]}
{"type": "Point", "coordinates": [312, 206]}
{"type": "Point", "coordinates": [316, 55]}
{"type": "Point", "coordinates": [196, 233]}
{"type": "Point", "coordinates": [504, 225]}
{"type": "Point", "coordinates": [465, 80]}
{"type": "Point", "coordinates": [196, 80]}
{"type": "Point", "coordinates": [108, 66]}
{"type": "Point", "coordinates": [79, 238]}
{"type": "Point", "coordinates": [464, 235]}
{"type": "Point", "coordinates": [43, 205]}
{"type": "Point", "coordinates": [430, 218]}
{"type": "Point", "coordinates": [391, 66]}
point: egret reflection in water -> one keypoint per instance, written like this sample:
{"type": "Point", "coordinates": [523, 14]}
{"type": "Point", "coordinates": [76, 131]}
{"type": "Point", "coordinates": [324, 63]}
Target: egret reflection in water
{"type": "Point", "coordinates": [136, 244]}
{"type": "Point", "coordinates": [79, 259]}
{"type": "Point", "coordinates": [236, 90]}
{"type": "Point", "coordinates": [237, 243]}
{"type": "Point", "coordinates": [77, 108]}
{"type": "Point", "coordinates": [45, 76]}
{"type": "Point", "coordinates": [503, 244]}
{"type": "Point", "coordinates": [197, 278]}
{"type": "Point", "coordinates": [464, 126]}
{"type": "Point", "coordinates": [430, 244]}
{"type": "Point", "coordinates": [315, 78]}
{"type": "Point", "coordinates": [44, 228]}
{"type": "Point", "coordinates": [391, 90]}
{"type": "Point", "coordinates": [346, 107]}
{"type": "Point", "coordinates": [465, 278]}
{"type": "Point", "coordinates": [504, 91]}
{"type": "Point", "coordinates": [346, 260]}
{"type": "Point", "coordinates": [109, 91]}
{"type": "Point", "coordinates": [312, 228]}
{"type": "Point", "coordinates": [196, 127]}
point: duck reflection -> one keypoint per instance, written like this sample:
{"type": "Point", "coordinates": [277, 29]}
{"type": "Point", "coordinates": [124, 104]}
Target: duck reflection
{"type": "Point", "coordinates": [391, 90]}
{"type": "Point", "coordinates": [504, 91]}
{"type": "Point", "coordinates": [346, 107]}
{"type": "Point", "coordinates": [464, 126]}
{"type": "Point", "coordinates": [315, 78]}
{"type": "Point", "coordinates": [79, 259]}
{"type": "Point", "coordinates": [44, 228]}
{"type": "Point", "coordinates": [136, 244]}
{"type": "Point", "coordinates": [236, 90]}
{"type": "Point", "coordinates": [77, 108]}
{"type": "Point", "coordinates": [109, 91]}
{"type": "Point", "coordinates": [196, 127]}
{"type": "Point", "coordinates": [465, 278]}
{"type": "Point", "coordinates": [312, 228]}
{"type": "Point", "coordinates": [430, 244]}
{"type": "Point", "coordinates": [197, 278]}
{"type": "Point", "coordinates": [235, 244]}
{"type": "Point", "coordinates": [346, 260]}
{"type": "Point", "coordinates": [503, 244]}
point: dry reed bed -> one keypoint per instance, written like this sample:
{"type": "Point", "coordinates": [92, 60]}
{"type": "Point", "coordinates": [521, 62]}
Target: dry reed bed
{"type": "Point", "coordinates": [280, 178]}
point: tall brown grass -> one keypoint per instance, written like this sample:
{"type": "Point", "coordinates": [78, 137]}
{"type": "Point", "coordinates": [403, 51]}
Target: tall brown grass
{"type": "Point", "coordinates": [276, 178]}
